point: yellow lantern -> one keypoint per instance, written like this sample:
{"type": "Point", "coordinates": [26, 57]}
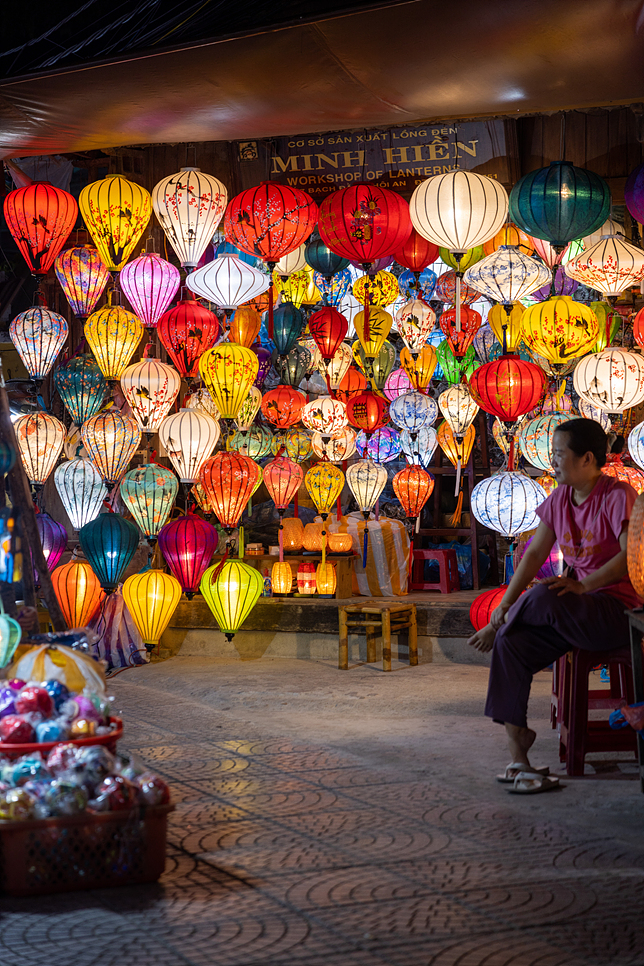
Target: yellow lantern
{"type": "Point", "coordinates": [282, 578]}
{"type": "Point", "coordinates": [151, 599]}
{"type": "Point", "coordinates": [419, 368]}
{"type": "Point", "coordinates": [113, 334]}
{"type": "Point", "coordinates": [116, 212]}
{"type": "Point", "coordinates": [340, 542]}
{"type": "Point", "coordinates": [560, 329]}
{"type": "Point", "coordinates": [232, 594]}
{"type": "Point", "coordinates": [249, 409]}
{"type": "Point", "coordinates": [312, 539]}
{"type": "Point", "coordinates": [456, 450]}
{"type": "Point", "coordinates": [229, 370]}
{"type": "Point", "coordinates": [111, 440]}
{"type": "Point", "coordinates": [324, 483]}
{"type": "Point", "coordinates": [508, 329]}
{"type": "Point", "coordinates": [299, 288]}
{"type": "Point", "coordinates": [292, 534]}
{"type": "Point", "coordinates": [379, 290]}
{"type": "Point", "coordinates": [40, 439]}
{"type": "Point", "coordinates": [467, 259]}
{"type": "Point", "coordinates": [372, 332]}
{"type": "Point", "coordinates": [325, 579]}
{"type": "Point", "coordinates": [245, 326]}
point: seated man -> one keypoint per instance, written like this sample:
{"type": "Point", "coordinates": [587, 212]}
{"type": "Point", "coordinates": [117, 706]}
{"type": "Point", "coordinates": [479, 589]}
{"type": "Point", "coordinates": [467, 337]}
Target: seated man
{"type": "Point", "coordinates": [588, 516]}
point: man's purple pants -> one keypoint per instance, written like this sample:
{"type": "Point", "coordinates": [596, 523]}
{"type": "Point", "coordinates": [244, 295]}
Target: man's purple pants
{"type": "Point", "coordinates": [540, 628]}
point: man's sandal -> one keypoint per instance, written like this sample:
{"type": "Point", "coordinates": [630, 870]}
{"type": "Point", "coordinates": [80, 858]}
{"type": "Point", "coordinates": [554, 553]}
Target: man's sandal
{"type": "Point", "coordinates": [513, 769]}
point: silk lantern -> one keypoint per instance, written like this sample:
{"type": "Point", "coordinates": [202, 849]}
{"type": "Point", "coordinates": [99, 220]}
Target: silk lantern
{"type": "Point", "coordinates": [81, 490]}
{"type": "Point", "coordinates": [227, 281]}
{"type": "Point", "coordinates": [229, 480]}
{"type": "Point", "coordinates": [398, 383]}
{"type": "Point", "coordinates": [560, 284]}
{"type": "Point", "coordinates": [588, 411]}
{"type": "Point", "coordinates": [416, 253]}
{"type": "Point", "coordinates": [40, 440]}
{"type": "Point", "coordinates": [189, 206]}
{"type": "Point", "coordinates": [507, 503]}
{"type": "Point", "coordinates": [458, 452]}
{"type": "Point", "coordinates": [420, 447]}
{"type": "Point", "coordinates": [366, 480]}
{"type": "Point", "coordinates": [149, 492]}
{"type": "Point", "coordinates": [413, 486]}
{"type": "Point", "coordinates": [372, 329]}
{"type": "Point", "coordinates": [419, 368]}
{"type": "Point", "coordinates": [636, 444]}
{"type": "Point", "coordinates": [337, 448]}
{"type": "Point", "coordinates": [560, 329]}
{"type": "Point", "coordinates": [229, 371]}
{"type": "Point", "coordinates": [482, 607]}
{"type": "Point", "coordinates": [507, 326]}
{"type": "Point", "coordinates": [113, 334]}
{"type": "Point", "coordinates": [446, 289]}
{"type": "Point", "coordinates": [418, 285]}
{"type": "Point", "coordinates": [322, 260]}
{"type": "Point", "coordinates": [465, 261]}
{"type": "Point", "coordinates": [635, 547]}
{"type": "Point", "coordinates": [188, 437]}
{"type": "Point", "coordinates": [116, 212]}
{"type": "Point", "coordinates": [288, 323]}
{"type": "Point", "coordinates": [458, 210]}
{"type": "Point", "coordinates": [270, 220]}
{"type": "Point", "coordinates": [610, 266]}
{"type": "Point", "coordinates": [353, 383]}
{"type": "Point", "coordinates": [82, 387]}
{"type": "Point", "coordinates": [150, 388]}
{"type": "Point", "coordinates": [53, 538]}
{"type": "Point", "coordinates": [507, 275]}
{"type": "Point", "coordinates": [460, 338]}
{"type": "Point", "coordinates": [109, 542]}
{"type": "Point", "coordinates": [615, 468]}
{"type": "Point", "coordinates": [82, 277]}
{"type": "Point", "coordinates": [111, 440]}
{"type": "Point", "coordinates": [244, 326]}
{"type": "Point", "coordinates": [535, 439]}
{"type": "Point", "coordinates": [510, 235]}
{"type": "Point", "coordinates": [324, 484]}
{"type": "Point", "coordinates": [78, 591]}
{"type": "Point", "coordinates": [231, 591]}
{"type": "Point", "coordinates": [150, 284]}
{"type": "Point", "coordinates": [186, 332]}
{"type": "Point", "coordinates": [451, 368]}
{"type": "Point", "coordinates": [485, 340]}
{"type": "Point", "coordinates": [336, 369]}
{"type": "Point", "coordinates": [364, 222]}
{"type": "Point", "coordinates": [380, 289]}
{"type": "Point", "coordinates": [413, 411]}
{"type": "Point", "coordinates": [151, 598]}
{"type": "Point", "coordinates": [40, 218]}
{"type": "Point", "coordinates": [328, 328]}
{"type": "Point", "coordinates": [188, 545]}
{"type": "Point", "coordinates": [294, 261]}
{"type": "Point", "coordinates": [299, 288]}
{"type": "Point", "coordinates": [298, 445]}
{"type": "Point", "coordinates": [609, 322]}
{"type": "Point", "coordinates": [324, 415]}
{"type": "Point", "coordinates": [415, 320]}
{"type": "Point", "coordinates": [549, 255]}
{"type": "Point", "coordinates": [202, 401]}
{"type": "Point", "coordinates": [368, 411]}
{"type": "Point", "coordinates": [283, 406]}
{"type": "Point", "coordinates": [282, 478]}
{"type": "Point", "coordinates": [508, 388]}
{"type": "Point", "coordinates": [381, 446]}
{"type": "Point", "coordinates": [612, 380]}
{"type": "Point", "coordinates": [377, 367]}
{"type": "Point", "coordinates": [292, 367]}
{"type": "Point", "coordinates": [255, 442]}
{"type": "Point", "coordinates": [38, 335]}
{"type": "Point", "coordinates": [458, 408]}
{"type": "Point", "coordinates": [249, 409]}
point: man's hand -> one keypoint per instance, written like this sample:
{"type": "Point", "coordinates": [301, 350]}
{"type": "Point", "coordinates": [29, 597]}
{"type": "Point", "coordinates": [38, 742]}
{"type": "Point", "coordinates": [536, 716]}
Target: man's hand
{"type": "Point", "coordinates": [564, 585]}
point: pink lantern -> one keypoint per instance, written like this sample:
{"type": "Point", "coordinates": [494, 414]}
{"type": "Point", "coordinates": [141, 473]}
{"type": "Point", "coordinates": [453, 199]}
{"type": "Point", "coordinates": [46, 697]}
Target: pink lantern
{"type": "Point", "coordinates": [188, 545]}
{"type": "Point", "coordinates": [545, 251]}
{"type": "Point", "coordinates": [150, 284]}
{"type": "Point", "coordinates": [398, 384]}
{"type": "Point", "coordinates": [282, 478]}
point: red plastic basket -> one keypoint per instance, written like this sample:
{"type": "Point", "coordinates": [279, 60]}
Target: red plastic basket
{"type": "Point", "coordinates": [88, 851]}
{"type": "Point", "coordinates": [12, 751]}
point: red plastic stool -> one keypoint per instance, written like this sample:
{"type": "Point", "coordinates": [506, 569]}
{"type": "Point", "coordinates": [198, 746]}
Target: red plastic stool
{"type": "Point", "coordinates": [577, 734]}
{"type": "Point", "coordinates": [449, 579]}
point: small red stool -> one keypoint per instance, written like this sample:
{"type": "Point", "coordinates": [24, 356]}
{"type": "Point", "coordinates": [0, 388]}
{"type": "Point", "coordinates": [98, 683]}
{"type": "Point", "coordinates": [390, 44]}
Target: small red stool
{"type": "Point", "coordinates": [449, 579]}
{"type": "Point", "coordinates": [577, 734]}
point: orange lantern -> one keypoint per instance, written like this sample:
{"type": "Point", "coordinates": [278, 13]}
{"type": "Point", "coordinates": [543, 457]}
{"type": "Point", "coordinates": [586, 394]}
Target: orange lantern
{"type": "Point", "coordinates": [458, 452]}
{"type": "Point", "coordinates": [325, 579]}
{"type": "Point", "coordinates": [293, 534]}
{"type": "Point", "coordinates": [352, 384]}
{"type": "Point", "coordinates": [229, 480]}
{"type": "Point", "coordinates": [626, 474]}
{"type": "Point", "coordinates": [510, 235]}
{"type": "Point", "coordinates": [282, 578]}
{"type": "Point", "coordinates": [282, 406]}
{"type": "Point", "coordinates": [413, 486]}
{"type": "Point", "coordinates": [40, 218]}
{"type": "Point", "coordinates": [282, 478]}
{"type": "Point", "coordinates": [245, 326]}
{"type": "Point", "coordinates": [460, 339]}
{"type": "Point", "coordinates": [312, 537]}
{"type": "Point", "coordinates": [79, 592]}
{"type": "Point", "coordinates": [340, 542]}
{"type": "Point", "coordinates": [419, 367]}
{"type": "Point", "coordinates": [306, 578]}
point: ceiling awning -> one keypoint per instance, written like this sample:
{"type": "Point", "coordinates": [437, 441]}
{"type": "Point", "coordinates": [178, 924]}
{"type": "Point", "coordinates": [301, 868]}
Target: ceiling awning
{"type": "Point", "coordinates": [389, 65]}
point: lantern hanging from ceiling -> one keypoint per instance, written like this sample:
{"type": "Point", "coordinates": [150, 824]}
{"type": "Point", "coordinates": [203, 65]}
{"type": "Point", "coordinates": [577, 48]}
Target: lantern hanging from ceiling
{"type": "Point", "coordinates": [508, 387]}
{"type": "Point", "coordinates": [458, 408]}
{"type": "Point", "coordinates": [560, 202]}
{"type": "Point", "coordinates": [459, 210]}
{"type": "Point", "coordinates": [364, 222]}
{"type": "Point", "coordinates": [53, 538]}
{"type": "Point", "coordinates": [368, 411]}
{"type": "Point", "coordinates": [419, 447]}
{"type": "Point", "coordinates": [535, 439]}
{"type": "Point", "coordinates": [636, 444]}
{"type": "Point", "coordinates": [413, 486]}
{"type": "Point", "coordinates": [336, 448]}
{"type": "Point", "coordinates": [415, 320]}
{"type": "Point", "coordinates": [609, 322]}
{"type": "Point", "coordinates": [460, 338]}
{"type": "Point", "coordinates": [418, 368]}
{"type": "Point", "coordinates": [40, 218]}
{"type": "Point", "coordinates": [446, 287]}
{"type": "Point", "coordinates": [81, 386]}
{"type": "Point", "coordinates": [282, 479]}
{"type": "Point", "coordinates": [451, 368]}
{"type": "Point", "coordinates": [113, 334]}
{"type": "Point", "coordinates": [227, 281]}
{"type": "Point", "coordinates": [510, 235]}
{"type": "Point", "coordinates": [116, 212]}
{"type": "Point", "coordinates": [612, 380]}
{"type": "Point", "coordinates": [336, 369]}
{"type": "Point", "coordinates": [202, 401]}
{"type": "Point", "coordinates": [293, 367]}
{"type": "Point", "coordinates": [244, 326]}
{"type": "Point", "coordinates": [610, 266]}
{"type": "Point", "coordinates": [507, 326]}
{"type": "Point", "coordinates": [549, 255]}
{"type": "Point", "coordinates": [464, 261]}
{"type": "Point", "coordinates": [255, 442]}
{"type": "Point", "coordinates": [38, 335]}
{"type": "Point", "coordinates": [249, 409]}
{"type": "Point", "coordinates": [507, 275]}
{"type": "Point", "coordinates": [380, 289]}
{"type": "Point", "coordinates": [298, 445]}
{"type": "Point", "coordinates": [507, 503]}
{"type": "Point", "coordinates": [149, 492]}
{"type": "Point", "coordinates": [282, 406]}
{"type": "Point", "coordinates": [417, 253]}
{"type": "Point", "coordinates": [560, 329]}
{"type": "Point", "coordinates": [381, 446]}
{"type": "Point", "coordinates": [150, 284]}
{"type": "Point", "coordinates": [377, 367]}
{"type": "Point", "coordinates": [189, 206]}
{"type": "Point", "coordinates": [186, 332]}
{"type": "Point", "coordinates": [615, 468]}
{"type": "Point", "coordinates": [151, 598]}
{"type": "Point", "coordinates": [188, 437]}
{"type": "Point", "coordinates": [366, 480]}
{"type": "Point", "coordinates": [589, 411]}
{"type": "Point", "coordinates": [40, 439]}
{"type": "Point", "coordinates": [353, 383]}
{"type": "Point", "coordinates": [229, 480]}
{"type": "Point", "coordinates": [82, 277]}
{"type": "Point", "coordinates": [456, 450]}
{"type": "Point", "coordinates": [111, 440]}
{"type": "Point", "coordinates": [322, 260]}
{"type": "Point", "coordinates": [398, 383]}
{"type": "Point", "coordinates": [231, 591]}
{"type": "Point", "coordinates": [328, 328]}
{"type": "Point", "coordinates": [324, 415]}
{"type": "Point", "coordinates": [78, 591]}
{"type": "Point", "coordinates": [413, 411]}
{"type": "Point", "coordinates": [334, 290]}
{"type": "Point", "coordinates": [418, 285]}
{"type": "Point", "coordinates": [379, 265]}
{"type": "Point", "coordinates": [294, 261]}
{"type": "Point", "coordinates": [109, 542]}
{"type": "Point", "coordinates": [188, 545]}
{"type": "Point", "coordinates": [561, 284]}
{"type": "Point", "coordinates": [485, 339]}
{"type": "Point", "coordinates": [150, 388]}
{"type": "Point", "coordinates": [229, 371]}
{"type": "Point", "coordinates": [324, 483]}
{"type": "Point", "coordinates": [299, 288]}
{"type": "Point", "coordinates": [288, 323]}
{"type": "Point", "coordinates": [81, 490]}
{"type": "Point", "coordinates": [270, 220]}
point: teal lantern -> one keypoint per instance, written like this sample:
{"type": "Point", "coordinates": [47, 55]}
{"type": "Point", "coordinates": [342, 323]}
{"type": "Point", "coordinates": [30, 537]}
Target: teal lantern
{"type": "Point", "coordinates": [293, 366]}
{"type": "Point", "coordinates": [322, 259]}
{"type": "Point", "coordinates": [453, 368]}
{"type": "Point", "coordinates": [148, 492]}
{"type": "Point", "coordinates": [256, 442]}
{"type": "Point", "coordinates": [109, 542]}
{"type": "Point", "coordinates": [82, 387]}
{"type": "Point", "coordinates": [535, 439]}
{"type": "Point", "coordinates": [560, 203]}
{"type": "Point", "coordinates": [288, 323]}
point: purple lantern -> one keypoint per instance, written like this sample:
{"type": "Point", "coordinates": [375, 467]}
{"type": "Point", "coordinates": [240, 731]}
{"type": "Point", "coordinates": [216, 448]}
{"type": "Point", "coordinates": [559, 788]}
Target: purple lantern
{"type": "Point", "coordinates": [381, 446]}
{"type": "Point", "coordinates": [379, 265]}
{"type": "Point", "coordinates": [563, 285]}
{"type": "Point", "coordinates": [634, 193]}
{"type": "Point", "coordinates": [553, 566]}
{"type": "Point", "coordinates": [188, 545]}
{"type": "Point", "coordinates": [150, 283]}
{"type": "Point", "coordinates": [265, 362]}
{"type": "Point", "coordinates": [398, 384]}
{"type": "Point", "coordinates": [53, 538]}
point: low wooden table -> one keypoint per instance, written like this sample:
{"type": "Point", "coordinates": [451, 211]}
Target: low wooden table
{"type": "Point", "coordinates": [343, 567]}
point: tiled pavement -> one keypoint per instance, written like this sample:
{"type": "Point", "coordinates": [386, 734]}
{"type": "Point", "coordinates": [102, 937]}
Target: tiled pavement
{"type": "Point", "coordinates": [289, 853]}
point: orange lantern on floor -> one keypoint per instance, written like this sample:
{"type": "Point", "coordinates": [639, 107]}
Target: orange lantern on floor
{"type": "Point", "coordinates": [79, 592]}
{"type": "Point", "coordinates": [481, 609]}
{"type": "Point", "coordinates": [340, 542]}
{"type": "Point", "coordinates": [306, 578]}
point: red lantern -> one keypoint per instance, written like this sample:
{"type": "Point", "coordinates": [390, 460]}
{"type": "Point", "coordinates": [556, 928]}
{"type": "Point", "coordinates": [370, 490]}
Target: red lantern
{"type": "Point", "coordinates": [446, 290]}
{"type": "Point", "coordinates": [508, 388]}
{"type": "Point", "coordinates": [353, 384]}
{"type": "Point", "coordinates": [364, 223]}
{"type": "Point", "coordinates": [282, 406]}
{"type": "Point", "coordinates": [470, 324]}
{"type": "Point", "coordinates": [413, 486]}
{"type": "Point", "coordinates": [40, 218]}
{"type": "Point", "coordinates": [481, 609]}
{"type": "Point", "coordinates": [188, 545]}
{"type": "Point", "coordinates": [638, 327]}
{"type": "Point", "coordinates": [270, 221]}
{"type": "Point", "coordinates": [328, 329]}
{"type": "Point", "coordinates": [417, 253]}
{"type": "Point", "coordinates": [306, 578]}
{"type": "Point", "coordinates": [186, 332]}
{"type": "Point", "coordinates": [283, 478]}
{"type": "Point", "coordinates": [368, 411]}
{"type": "Point", "coordinates": [229, 480]}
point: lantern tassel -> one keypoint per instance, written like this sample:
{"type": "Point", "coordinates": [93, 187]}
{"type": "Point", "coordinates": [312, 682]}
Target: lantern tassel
{"type": "Point", "coordinates": [217, 570]}
{"type": "Point", "coordinates": [458, 475]}
{"type": "Point", "coordinates": [240, 542]}
{"type": "Point", "coordinates": [338, 510]}
{"type": "Point", "coordinates": [365, 544]}
{"type": "Point", "coordinates": [270, 307]}
{"type": "Point", "coordinates": [455, 518]}
{"type": "Point", "coordinates": [377, 509]}
{"type": "Point", "coordinates": [328, 383]}
{"type": "Point", "coordinates": [511, 454]}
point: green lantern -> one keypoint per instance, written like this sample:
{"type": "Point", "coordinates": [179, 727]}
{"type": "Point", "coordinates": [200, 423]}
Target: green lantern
{"type": "Point", "coordinates": [453, 368]}
{"type": "Point", "coordinates": [255, 442]}
{"type": "Point", "coordinates": [149, 492]}
{"type": "Point", "coordinates": [469, 258]}
{"type": "Point", "coordinates": [109, 542]}
{"type": "Point", "coordinates": [82, 387]}
{"type": "Point", "coordinates": [381, 365]}
{"type": "Point", "coordinates": [231, 591]}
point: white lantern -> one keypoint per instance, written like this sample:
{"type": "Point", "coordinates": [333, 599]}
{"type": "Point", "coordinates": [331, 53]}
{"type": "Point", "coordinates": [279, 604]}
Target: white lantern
{"type": "Point", "coordinates": [249, 409]}
{"type": "Point", "coordinates": [202, 400]}
{"type": "Point", "coordinates": [415, 320]}
{"type": "Point", "coordinates": [189, 206]}
{"type": "Point", "coordinates": [111, 440]}
{"type": "Point", "coordinates": [150, 388]}
{"type": "Point", "coordinates": [610, 227]}
{"type": "Point", "coordinates": [227, 281]}
{"type": "Point", "coordinates": [610, 266]}
{"type": "Point", "coordinates": [612, 380]}
{"type": "Point", "coordinates": [338, 366]}
{"type": "Point", "coordinates": [421, 449]}
{"type": "Point", "coordinates": [636, 444]}
{"type": "Point", "coordinates": [38, 335]}
{"type": "Point", "coordinates": [339, 447]}
{"type": "Point", "coordinates": [293, 262]}
{"type": "Point", "coordinates": [507, 275]}
{"type": "Point", "coordinates": [324, 415]}
{"type": "Point", "coordinates": [459, 210]}
{"type": "Point", "coordinates": [40, 439]}
{"type": "Point", "coordinates": [588, 411]}
{"type": "Point", "coordinates": [459, 408]}
{"type": "Point", "coordinates": [507, 503]}
{"type": "Point", "coordinates": [535, 439]}
{"type": "Point", "coordinates": [81, 490]}
{"type": "Point", "coordinates": [412, 411]}
{"type": "Point", "coordinates": [366, 481]}
{"type": "Point", "coordinates": [189, 437]}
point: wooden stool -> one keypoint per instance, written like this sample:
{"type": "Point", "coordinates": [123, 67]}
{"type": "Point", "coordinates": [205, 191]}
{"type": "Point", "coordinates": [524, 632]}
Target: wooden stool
{"type": "Point", "coordinates": [577, 735]}
{"type": "Point", "coordinates": [367, 618]}
{"type": "Point", "coordinates": [449, 579]}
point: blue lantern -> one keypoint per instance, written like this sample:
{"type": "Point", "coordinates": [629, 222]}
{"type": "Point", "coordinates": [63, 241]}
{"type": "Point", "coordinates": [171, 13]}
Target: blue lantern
{"type": "Point", "coordinates": [322, 259]}
{"type": "Point", "coordinates": [484, 343]}
{"type": "Point", "coordinates": [288, 323]}
{"type": "Point", "coordinates": [225, 248]}
{"type": "Point", "coordinates": [82, 387]}
{"type": "Point", "coordinates": [7, 457]}
{"type": "Point", "coordinates": [507, 502]}
{"type": "Point", "coordinates": [109, 542]}
{"type": "Point", "coordinates": [409, 287]}
{"type": "Point", "coordinates": [421, 449]}
{"type": "Point", "coordinates": [413, 411]}
{"type": "Point", "coordinates": [334, 290]}
{"type": "Point", "coordinates": [381, 446]}
{"type": "Point", "coordinates": [497, 351]}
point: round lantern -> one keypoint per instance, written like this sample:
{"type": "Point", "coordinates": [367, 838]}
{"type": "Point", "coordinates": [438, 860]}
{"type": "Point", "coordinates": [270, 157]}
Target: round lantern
{"type": "Point", "coordinates": [561, 284]}
{"type": "Point", "coordinates": [626, 474]}
{"type": "Point", "coordinates": [81, 490]}
{"type": "Point", "coordinates": [283, 406]}
{"type": "Point", "coordinates": [227, 281]}
{"type": "Point", "coordinates": [282, 478]}
{"type": "Point", "coordinates": [325, 579]}
{"type": "Point", "coordinates": [381, 446]}
{"type": "Point", "coordinates": [535, 439]}
{"type": "Point", "coordinates": [418, 368]}
{"type": "Point", "coordinates": [549, 255]}
{"type": "Point", "coordinates": [40, 218]}
{"type": "Point", "coordinates": [312, 538]}
{"type": "Point", "coordinates": [458, 210]}
{"type": "Point", "coordinates": [229, 480]}
{"type": "Point", "coordinates": [417, 253]}
{"type": "Point", "coordinates": [635, 546]}
{"type": "Point", "coordinates": [415, 320]}
{"type": "Point", "coordinates": [186, 332]}
{"type": "Point", "coordinates": [507, 275]}
{"type": "Point", "coordinates": [189, 206]}
{"type": "Point", "coordinates": [464, 261]}
{"type": "Point", "coordinates": [288, 323]}
{"type": "Point", "coordinates": [229, 371]}
{"type": "Point", "coordinates": [78, 591]}
{"type": "Point", "coordinates": [245, 326]}
{"type": "Point", "coordinates": [294, 261]}
{"type": "Point", "coordinates": [188, 437]}
{"type": "Point", "coordinates": [506, 326]}
{"type": "Point", "coordinates": [81, 387]}
{"type": "Point", "coordinates": [293, 534]}
{"type": "Point", "coordinates": [366, 480]}
{"type": "Point", "coordinates": [353, 383]}
{"type": "Point", "coordinates": [249, 409]}
{"type": "Point", "coordinates": [460, 339]}
{"type": "Point", "coordinates": [419, 447]}
{"type": "Point", "coordinates": [413, 486]}
{"type": "Point", "coordinates": [82, 277]}
{"type": "Point", "coordinates": [328, 328]}
{"type": "Point", "coordinates": [149, 492]}
{"type": "Point", "coordinates": [446, 287]}
{"type": "Point", "coordinates": [340, 542]}
{"type": "Point", "coordinates": [150, 284]}
{"type": "Point", "coordinates": [459, 408]}
{"type": "Point", "coordinates": [324, 484]}
{"type": "Point", "coordinates": [610, 266]}
{"type": "Point", "coordinates": [188, 545]}
{"type": "Point", "coordinates": [116, 212]}
{"type": "Point", "coordinates": [481, 609]}
{"type": "Point", "coordinates": [636, 444]}
{"type": "Point", "coordinates": [322, 260]}
{"type": "Point", "coordinates": [202, 401]}
{"type": "Point", "coordinates": [364, 223]}
{"type": "Point", "coordinates": [368, 411]}
{"type": "Point", "coordinates": [398, 383]}
{"type": "Point", "coordinates": [111, 440]}
{"type": "Point", "coordinates": [150, 388]}
{"type": "Point", "coordinates": [38, 335]}
{"type": "Point", "coordinates": [151, 598]}
{"type": "Point", "coordinates": [413, 285]}
{"type": "Point", "coordinates": [612, 380]}
{"type": "Point", "coordinates": [588, 411]}
{"type": "Point", "coordinates": [231, 591]}
{"type": "Point", "coordinates": [413, 411]}
{"type": "Point", "coordinates": [378, 367]}
{"type": "Point", "coordinates": [380, 289]}
{"type": "Point", "coordinates": [324, 415]}
{"type": "Point", "coordinates": [53, 538]}
{"type": "Point", "coordinates": [507, 503]}
{"type": "Point", "coordinates": [109, 542]}
{"type": "Point", "coordinates": [255, 442]}
{"type": "Point", "coordinates": [293, 367]}
{"type": "Point", "coordinates": [113, 334]}
{"type": "Point", "coordinates": [508, 387]}
{"type": "Point", "coordinates": [337, 448]}
{"type": "Point", "coordinates": [560, 202]}
{"type": "Point", "coordinates": [306, 578]}
{"type": "Point", "coordinates": [281, 578]}
{"type": "Point", "coordinates": [298, 445]}
{"type": "Point", "coordinates": [299, 288]}
{"type": "Point", "coordinates": [40, 439]}
{"type": "Point", "coordinates": [510, 235]}
{"type": "Point", "coordinates": [270, 221]}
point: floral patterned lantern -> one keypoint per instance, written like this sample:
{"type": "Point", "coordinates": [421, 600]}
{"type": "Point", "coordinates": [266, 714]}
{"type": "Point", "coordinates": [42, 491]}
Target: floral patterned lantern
{"type": "Point", "coordinates": [229, 480]}
{"type": "Point", "coordinates": [398, 383]}
{"type": "Point", "coordinates": [150, 388]}
{"type": "Point", "coordinates": [380, 289]}
{"type": "Point", "coordinates": [413, 285]}
{"type": "Point", "coordinates": [415, 320]}
{"type": "Point", "coordinates": [111, 440]}
{"type": "Point", "coordinates": [413, 486]}
{"type": "Point", "coordinates": [507, 387]}
{"type": "Point", "coordinates": [626, 474]}
{"type": "Point", "coordinates": [255, 442]}
{"type": "Point", "coordinates": [381, 446]}
{"type": "Point", "coordinates": [589, 411]}
{"type": "Point", "coordinates": [229, 371]}
{"type": "Point", "coordinates": [38, 335]}
{"type": "Point", "coordinates": [485, 340]}
{"type": "Point", "coordinates": [420, 448]}
{"type": "Point", "coordinates": [368, 411]}
{"type": "Point", "coordinates": [420, 367]}
{"type": "Point", "coordinates": [40, 218]}
{"type": "Point", "coordinates": [353, 383]}
{"type": "Point", "coordinates": [116, 212]}
{"type": "Point", "coordinates": [113, 334]}
{"type": "Point", "coordinates": [460, 339]}
{"type": "Point", "coordinates": [186, 332]}
{"type": "Point", "coordinates": [299, 288]}
{"type": "Point", "coordinates": [82, 277]}
{"type": "Point", "coordinates": [459, 408]}
{"type": "Point", "coordinates": [149, 492]}
{"type": "Point", "coordinates": [282, 478]}
{"type": "Point", "coordinates": [366, 480]}
{"type": "Point", "coordinates": [336, 369]}
{"type": "Point", "coordinates": [81, 386]}
{"type": "Point", "coordinates": [227, 281]}
{"type": "Point", "coordinates": [298, 445]}
{"type": "Point", "coordinates": [535, 439]}
{"type": "Point", "coordinates": [364, 222]}
{"type": "Point", "coordinates": [507, 503]}
{"type": "Point", "coordinates": [612, 380]}
{"type": "Point", "coordinates": [610, 266]}
{"type": "Point", "coordinates": [81, 490]}
{"type": "Point", "coordinates": [507, 275]}
{"type": "Point", "coordinates": [413, 411]}
{"type": "Point", "coordinates": [293, 367]}
{"type": "Point", "coordinates": [189, 206]}
{"type": "Point", "coordinates": [40, 440]}
{"type": "Point", "coordinates": [283, 406]}
{"type": "Point", "coordinates": [188, 545]}
{"type": "Point", "coordinates": [324, 415]}
{"type": "Point", "coordinates": [189, 437]}
{"type": "Point", "coordinates": [249, 409]}
{"type": "Point", "coordinates": [339, 447]}
{"type": "Point", "coordinates": [150, 284]}
{"type": "Point", "coordinates": [202, 401]}
{"type": "Point", "coordinates": [446, 290]}
{"type": "Point", "coordinates": [324, 484]}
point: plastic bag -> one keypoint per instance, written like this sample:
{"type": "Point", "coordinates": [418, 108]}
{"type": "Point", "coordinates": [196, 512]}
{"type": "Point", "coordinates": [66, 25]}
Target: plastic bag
{"type": "Point", "coordinates": [118, 642]}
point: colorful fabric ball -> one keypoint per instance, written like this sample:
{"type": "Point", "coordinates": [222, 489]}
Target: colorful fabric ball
{"type": "Point", "coordinates": [114, 794]}
{"type": "Point", "coordinates": [51, 730]}
{"type": "Point", "coordinates": [152, 789]}
{"type": "Point", "coordinates": [30, 768]}
{"type": "Point", "coordinates": [16, 730]}
{"type": "Point", "coordinates": [33, 698]}
{"type": "Point", "coordinates": [7, 702]}
{"type": "Point", "coordinates": [61, 758]}
{"type": "Point", "coordinates": [64, 797]}
{"type": "Point", "coordinates": [58, 692]}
